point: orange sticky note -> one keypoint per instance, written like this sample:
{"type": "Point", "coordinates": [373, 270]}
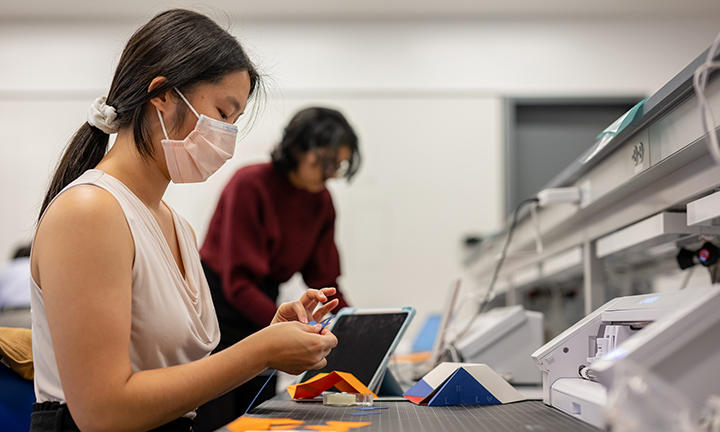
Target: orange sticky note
{"type": "Point", "coordinates": [245, 423]}
{"type": "Point", "coordinates": [338, 426]}
{"type": "Point", "coordinates": [285, 421]}
{"type": "Point", "coordinates": [249, 423]}
{"type": "Point", "coordinates": [343, 381]}
{"type": "Point", "coordinates": [327, 428]}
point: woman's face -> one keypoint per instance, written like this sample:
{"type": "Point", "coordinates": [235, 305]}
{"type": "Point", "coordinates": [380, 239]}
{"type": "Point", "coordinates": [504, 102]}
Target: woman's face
{"type": "Point", "coordinates": [224, 100]}
{"type": "Point", "coordinates": [317, 166]}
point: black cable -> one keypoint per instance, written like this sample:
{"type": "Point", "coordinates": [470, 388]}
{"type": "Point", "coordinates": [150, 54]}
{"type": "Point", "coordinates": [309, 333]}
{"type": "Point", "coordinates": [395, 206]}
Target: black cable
{"type": "Point", "coordinates": [498, 266]}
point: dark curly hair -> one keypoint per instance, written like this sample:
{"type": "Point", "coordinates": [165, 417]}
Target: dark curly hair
{"type": "Point", "coordinates": [316, 128]}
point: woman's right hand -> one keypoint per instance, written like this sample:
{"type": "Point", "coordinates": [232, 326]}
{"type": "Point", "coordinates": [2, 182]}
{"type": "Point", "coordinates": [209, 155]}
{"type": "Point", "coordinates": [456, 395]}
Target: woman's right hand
{"type": "Point", "coordinates": [294, 347]}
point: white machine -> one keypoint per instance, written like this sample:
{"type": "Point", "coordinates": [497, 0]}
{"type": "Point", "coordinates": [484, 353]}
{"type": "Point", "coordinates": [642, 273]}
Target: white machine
{"type": "Point", "coordinates": [682, 348]}
{"type": "Point", "coordinates": [503, 338]}
{"type": "Point", "coordinates": [674, 335]}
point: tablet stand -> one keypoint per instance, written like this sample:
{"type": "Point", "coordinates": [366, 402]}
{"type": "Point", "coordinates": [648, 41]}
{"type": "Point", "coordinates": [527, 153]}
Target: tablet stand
{"type": "Point", "coordinates": [389, 385]}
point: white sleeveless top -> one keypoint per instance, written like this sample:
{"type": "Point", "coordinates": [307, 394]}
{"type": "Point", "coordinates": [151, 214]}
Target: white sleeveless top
{"type": "Point", "coordinates": [173, 319]}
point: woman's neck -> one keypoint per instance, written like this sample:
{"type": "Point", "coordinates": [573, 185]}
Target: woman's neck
{"type": "Point", "coordinates": [141, 175]}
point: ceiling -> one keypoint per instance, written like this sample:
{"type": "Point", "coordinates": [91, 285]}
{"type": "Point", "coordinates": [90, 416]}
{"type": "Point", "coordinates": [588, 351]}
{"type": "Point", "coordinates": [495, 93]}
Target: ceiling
{"type": "Point", "coordinates": [354, 9]}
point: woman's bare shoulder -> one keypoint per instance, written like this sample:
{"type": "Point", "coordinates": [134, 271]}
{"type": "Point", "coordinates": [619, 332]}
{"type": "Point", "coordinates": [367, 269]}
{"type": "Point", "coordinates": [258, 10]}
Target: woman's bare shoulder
{"type": "Point", "coordinates": [85, 219]}
{"type": "Point", "coordinates": [85, 207]}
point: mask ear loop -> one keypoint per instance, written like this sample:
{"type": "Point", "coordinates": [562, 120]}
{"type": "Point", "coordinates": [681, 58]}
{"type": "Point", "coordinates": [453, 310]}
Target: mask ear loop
{"type": "Point", "coordinates": [162, 124]}
{"type": "Point", "coordinates": [188, 103]}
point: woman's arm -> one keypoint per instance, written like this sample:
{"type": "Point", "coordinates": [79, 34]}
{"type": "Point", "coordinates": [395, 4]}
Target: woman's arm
{"type": "Point", "coordinates": [83, 261]}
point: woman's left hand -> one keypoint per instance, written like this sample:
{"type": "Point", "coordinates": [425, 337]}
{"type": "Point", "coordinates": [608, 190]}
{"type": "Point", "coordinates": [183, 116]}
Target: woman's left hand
{"type": "Point", "coordinates": [305, 307]}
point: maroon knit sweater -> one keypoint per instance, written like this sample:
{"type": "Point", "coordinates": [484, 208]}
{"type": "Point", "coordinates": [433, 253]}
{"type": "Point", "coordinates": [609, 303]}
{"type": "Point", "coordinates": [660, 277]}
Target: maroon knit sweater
{"type": "Point", "coordinates": [264, 229]}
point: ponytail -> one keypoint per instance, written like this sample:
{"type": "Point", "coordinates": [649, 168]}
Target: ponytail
{"type": "Point", "coordinates": [182, 46]}
{"type": "Point", "coordinates": [85, 151]}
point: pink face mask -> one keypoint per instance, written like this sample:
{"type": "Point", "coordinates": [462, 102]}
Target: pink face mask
{"type": "Point", "coordinates": [202, 152]}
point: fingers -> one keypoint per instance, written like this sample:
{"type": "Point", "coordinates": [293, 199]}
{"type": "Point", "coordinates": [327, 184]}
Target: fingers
{"type": "Point", "coordinates": [325, 309]}
{"type": "Point", "coordinates": [317, 296]}
{"type": "Point", "coordinates": [285, 312]}
{"type": "Point", "coordinates": [321, 343]}
{"type": "Point", "coordinates": [312, 297]}
{"type": "Point", "coordinates": [319, 329]}
{"type": "Point", "coordinates": [319, 365]}
{"type": "Point", "coordinates": [317, 340]}
{"type": "Point", "coordinates": [329, 291]}
{"type": "Point", "coordinates": [306, 348]}
{"type": "Point", "coordinates": [326, 350]}
{"type": "Point", "coordinates": [300, 312]}
{"type": "Point", "coordinates": [329, 339]}
{"type": "Point", "coordinates": [312, 329]}
{"type": "Point", "coordinates": [334, 339]}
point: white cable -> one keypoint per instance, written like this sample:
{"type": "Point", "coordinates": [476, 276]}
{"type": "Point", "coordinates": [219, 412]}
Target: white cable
{"type": "Point", "coordinates": [700, 79]}
{"type": "Point", "coordinates": [536, 229]}
{"type": "Point", "coordinates": [490, 293]}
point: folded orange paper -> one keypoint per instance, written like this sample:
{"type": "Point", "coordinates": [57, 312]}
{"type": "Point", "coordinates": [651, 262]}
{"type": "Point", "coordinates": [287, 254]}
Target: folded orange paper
{"type": "Point", "coordinates": [343, 381]}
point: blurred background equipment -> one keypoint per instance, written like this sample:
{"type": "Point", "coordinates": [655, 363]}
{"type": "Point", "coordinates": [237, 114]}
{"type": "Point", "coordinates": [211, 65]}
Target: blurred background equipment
{"type": "Point", "coordinates": [15, 289]}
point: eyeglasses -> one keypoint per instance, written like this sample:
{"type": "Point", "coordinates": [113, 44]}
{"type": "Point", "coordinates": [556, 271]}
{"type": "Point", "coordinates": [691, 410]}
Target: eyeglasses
{"type": "Point", "coordinates": [341, 168]}
{"type": "Point", "coordinates": [331, 166]}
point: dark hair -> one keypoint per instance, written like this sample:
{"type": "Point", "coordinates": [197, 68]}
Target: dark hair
{"type": "Point", "coordinates": [316, 128]}
{"type": "Point", "coordinates": [183, 46]}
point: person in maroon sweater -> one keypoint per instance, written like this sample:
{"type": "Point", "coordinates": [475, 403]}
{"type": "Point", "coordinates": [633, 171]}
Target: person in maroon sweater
{"type": "Point", "coordinates": [272, 221]}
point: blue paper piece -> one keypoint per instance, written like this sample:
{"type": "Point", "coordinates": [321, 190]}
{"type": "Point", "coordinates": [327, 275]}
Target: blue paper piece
{"type": "Point", "coordinates": [461, 388]}
{"type": "Point", "coordinates": [420, 389]}
{"type": "Point", "coordinates": [426, 337]}
{"type": "Point", "coordinates": [362, 413]}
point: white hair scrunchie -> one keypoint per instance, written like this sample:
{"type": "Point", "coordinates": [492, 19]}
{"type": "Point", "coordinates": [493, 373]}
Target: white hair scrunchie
{"type": "Point", "coordinates": [102, 116]}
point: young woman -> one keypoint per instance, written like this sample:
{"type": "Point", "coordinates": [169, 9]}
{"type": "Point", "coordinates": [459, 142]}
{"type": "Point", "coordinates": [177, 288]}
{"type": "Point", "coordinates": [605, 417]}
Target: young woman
{"type": "Point", "coordinates": [123, 320]}
{"type": "Point", "coordinates": [271, 221]}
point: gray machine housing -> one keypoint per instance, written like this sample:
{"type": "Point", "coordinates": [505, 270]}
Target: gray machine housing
{"type": "Point", "coordinates": [503, 338]}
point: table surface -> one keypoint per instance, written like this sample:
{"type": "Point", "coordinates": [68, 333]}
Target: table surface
{"type": "Point", "coordinates": [533, 416]}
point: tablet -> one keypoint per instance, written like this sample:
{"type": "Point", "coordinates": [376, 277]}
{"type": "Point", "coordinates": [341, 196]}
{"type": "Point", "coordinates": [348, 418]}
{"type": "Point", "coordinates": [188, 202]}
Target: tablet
{"type": "Point", "coordinates": [366, 339]}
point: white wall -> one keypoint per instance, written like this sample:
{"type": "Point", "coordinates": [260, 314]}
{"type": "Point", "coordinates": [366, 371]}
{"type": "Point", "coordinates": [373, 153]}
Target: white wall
{"type": "Point", "coordinates": [423, 95]}
{"type": "Point", "coordinates": [520, 56]}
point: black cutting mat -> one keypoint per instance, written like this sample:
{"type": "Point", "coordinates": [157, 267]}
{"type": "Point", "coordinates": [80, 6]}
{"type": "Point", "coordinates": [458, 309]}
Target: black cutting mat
{"type": "Point", "coordinates": [528, 416]}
